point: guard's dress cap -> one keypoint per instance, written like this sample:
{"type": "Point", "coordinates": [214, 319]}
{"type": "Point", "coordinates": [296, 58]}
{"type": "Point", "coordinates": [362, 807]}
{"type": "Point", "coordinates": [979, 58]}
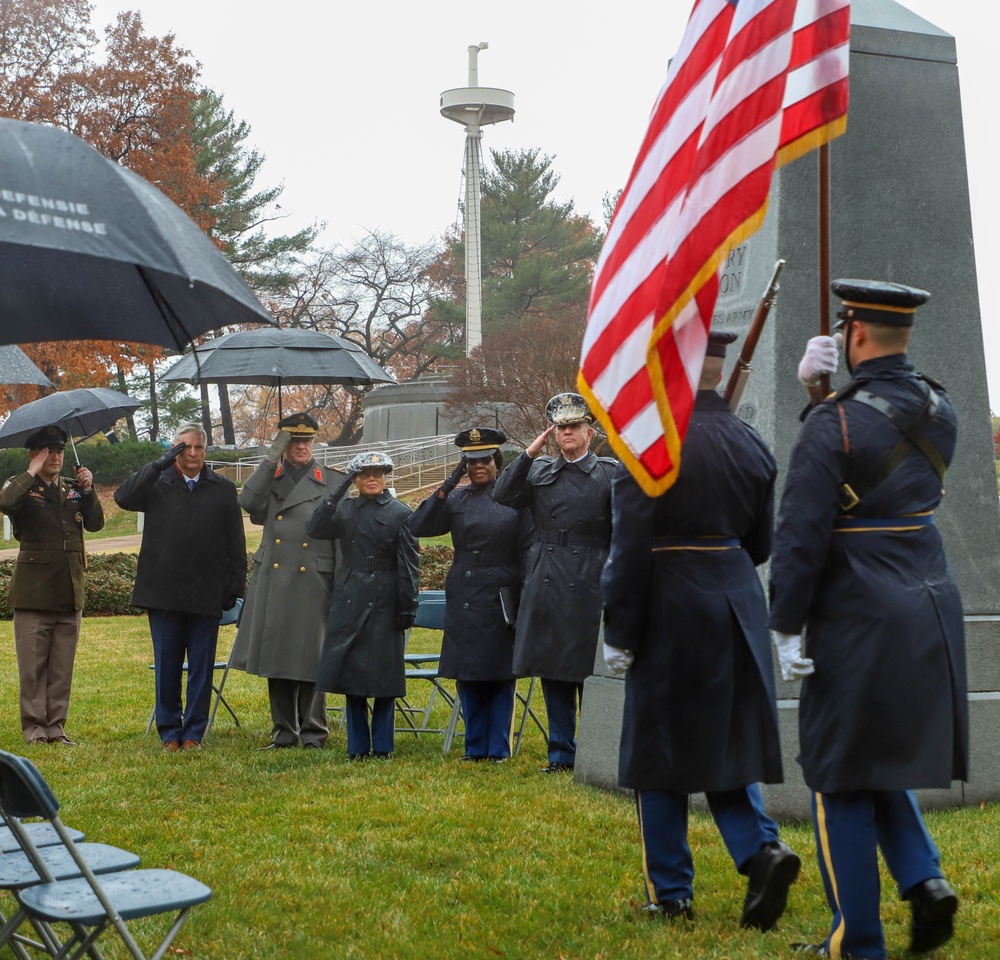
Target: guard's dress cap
{"type": "Point", "coordinates": [479, 443]}
{"type": "Point", "coordinates": [370, 461]}
{"type": "Point", "coordinates": [567, 408]}
{"type": "Point", "coordinates": [878, 301]}
{"type": "Point", "coordinates": [300, 425]}
{"type": "Point", "coordinates": [52, 437]}
{"type": "Point", "coordinates": [718, 340]}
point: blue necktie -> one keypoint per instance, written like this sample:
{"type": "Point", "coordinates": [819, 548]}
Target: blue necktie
{"type": "Point", "coordinates": [191, 484]}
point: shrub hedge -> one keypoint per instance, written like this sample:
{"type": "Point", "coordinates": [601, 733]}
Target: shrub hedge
{"type": "Point", "coordinates": [109, 462]}
{"type": "Point", "coordinates": [110, 577]}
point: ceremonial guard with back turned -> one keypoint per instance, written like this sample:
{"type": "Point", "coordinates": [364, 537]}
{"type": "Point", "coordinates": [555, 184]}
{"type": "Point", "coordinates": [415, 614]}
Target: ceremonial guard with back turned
{"type": "Point", "coordinates": [48, 513]}
{"type": "Point", "coordinates": [281, 630]}
{"type": "Point", "coordinates": [685, 616]}
{"type": "Point", "coordinates": [559, 619]}
{"type": "Point", "coordinates": [860, 575]}
{"type": "Point", "coordinates": [491, 544]}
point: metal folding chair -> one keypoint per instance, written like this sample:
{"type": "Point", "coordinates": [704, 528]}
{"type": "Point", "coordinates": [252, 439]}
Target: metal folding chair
{"type": "Point", "coordinates": [90, 903]}
{"type": "Point", "coordinates": [423, 666]}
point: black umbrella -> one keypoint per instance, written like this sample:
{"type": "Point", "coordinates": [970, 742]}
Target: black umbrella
{"type": "Point", "coordinates": [277, 356]}
{"type": "Point", "coordinates": [79, 412]}
{"type": "Point", "coordinates": [16, 367]}
{"type": "Point", "coordinates": [91, 251]}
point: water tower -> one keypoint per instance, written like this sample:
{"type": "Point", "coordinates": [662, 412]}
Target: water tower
{"type": "Point", "coordinates": [475, 107]}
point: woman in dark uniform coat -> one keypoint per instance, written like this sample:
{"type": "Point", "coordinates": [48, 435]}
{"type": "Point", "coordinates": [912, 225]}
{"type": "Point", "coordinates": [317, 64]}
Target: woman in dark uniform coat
{"type": "Point", "coordinates": [491, 543]}
{"type": "Point", "coordinates": [374, 601]}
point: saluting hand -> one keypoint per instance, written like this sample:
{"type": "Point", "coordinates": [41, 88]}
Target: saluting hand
{"type": "Point", "coordinates": [538, 444]}
{"type": "Point", "coordinates": [38, 461]}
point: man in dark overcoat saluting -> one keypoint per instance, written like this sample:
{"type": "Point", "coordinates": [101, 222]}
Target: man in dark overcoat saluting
{"type": "Point", "coordinates": [685, 614]}
{"type": "Point", "coordinates": [560, 613]}
{"type": "Point", "coordinates": [859, 568]}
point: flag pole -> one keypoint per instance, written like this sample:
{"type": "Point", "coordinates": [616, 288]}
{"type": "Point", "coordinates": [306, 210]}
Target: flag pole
{"type": "Point", "coordinates": [824, 252]}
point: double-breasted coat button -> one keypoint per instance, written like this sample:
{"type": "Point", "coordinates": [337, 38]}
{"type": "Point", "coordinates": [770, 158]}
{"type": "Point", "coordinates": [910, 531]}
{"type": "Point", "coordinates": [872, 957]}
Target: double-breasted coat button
{"type": "Point", "coordinates": [279, 517]}
{"type": "Point", "coordinates": [275, 566]}
{"type": "Point", "coordinates": [278, 540]}
{"type": "Point", "coordinates": [302, 569]}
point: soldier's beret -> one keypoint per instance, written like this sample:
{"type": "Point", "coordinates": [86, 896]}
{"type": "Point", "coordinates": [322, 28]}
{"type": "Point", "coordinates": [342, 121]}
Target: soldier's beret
{"type": "Point", "coordinates": [370, 461]}
{"type": "Point", "coordinates": [718, 340]}
{"type": "Point", "coordinates": [878, 301]}
{"type": "Point", "coordinates": [300, 425]}
{"type": "Point", "coordinates": [567, 408]}
{"type": "Point", "coordinates": [52, 437]}
{"type": "Point", "coordinates": [478, 443]}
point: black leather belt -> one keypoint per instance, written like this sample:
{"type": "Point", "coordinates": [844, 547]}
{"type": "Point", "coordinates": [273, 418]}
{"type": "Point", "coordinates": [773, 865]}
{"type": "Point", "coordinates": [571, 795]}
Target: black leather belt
{"type": "Point", "coordinates": [571, 537]}
{"type": "Point", "coordinates": [372, 563]}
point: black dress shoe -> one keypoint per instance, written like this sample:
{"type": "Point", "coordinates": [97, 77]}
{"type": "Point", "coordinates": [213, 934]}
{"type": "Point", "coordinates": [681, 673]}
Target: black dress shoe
{"type": "Point", "coordinates": [556, 767]}
{"type": "Point", "coordinates": [382, 756]}
{"type": "Point", "coordinates": [358, 756]}
{"type": "Point", "coordinates": [468, 759]}
{"type": "Point", "coordinates": [670, 910]}
{"type": "Point", "coordinates": [933, 904]}
{"type": "Point", "coordinates": [312, 746]}
{"type": "Point", "coordinates": [498, 759]}
{"type": "Point", "coordinates": [773, 869]}
{"type": "Point", "coordinates": [277, 746]}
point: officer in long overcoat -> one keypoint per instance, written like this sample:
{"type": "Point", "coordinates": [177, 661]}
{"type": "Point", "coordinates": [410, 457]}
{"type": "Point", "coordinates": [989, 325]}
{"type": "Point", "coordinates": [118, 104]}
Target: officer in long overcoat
{"type": "Point", "coordinates": [49, 514]}
{"type": "Point", "coordinates": [491, 544]}
{"type": "Point", "coordinates": [374, 601]}
{"type": "Point", "coordinates": [284, 621]}
{"type": "Point", "coordinates": [560, 613]}
{"type": "Point", "coordinates": [685, 608]}
{"type": "Point", "coordinates": [859, 567]}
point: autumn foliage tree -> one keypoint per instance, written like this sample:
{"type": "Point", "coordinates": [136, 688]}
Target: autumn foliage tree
{"type": "Point", "coordinates": [134, 107]}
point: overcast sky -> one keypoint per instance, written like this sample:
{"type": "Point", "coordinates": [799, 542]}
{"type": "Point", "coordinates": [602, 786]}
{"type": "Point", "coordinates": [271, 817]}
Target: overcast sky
{"type": "Point", "coordinates": [342, 99]}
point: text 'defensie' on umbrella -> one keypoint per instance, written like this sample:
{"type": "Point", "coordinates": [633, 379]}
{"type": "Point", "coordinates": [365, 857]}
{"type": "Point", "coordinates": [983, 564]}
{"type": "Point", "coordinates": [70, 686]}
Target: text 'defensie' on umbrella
{"type": "Point", "coordinates": [91, 251]}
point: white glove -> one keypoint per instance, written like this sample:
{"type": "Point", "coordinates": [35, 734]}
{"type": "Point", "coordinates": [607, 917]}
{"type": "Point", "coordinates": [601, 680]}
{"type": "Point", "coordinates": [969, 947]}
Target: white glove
{"type": "Point", "coordinates": [618, 661]}
{"type": "Point", "coordinates": [793, 665]}
{"type": "Point", "coordinates": [821, 357]}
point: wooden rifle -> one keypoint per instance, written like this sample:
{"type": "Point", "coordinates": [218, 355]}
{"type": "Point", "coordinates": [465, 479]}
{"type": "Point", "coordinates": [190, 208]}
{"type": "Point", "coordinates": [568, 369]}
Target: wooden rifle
{"type": "Point", "coordinates": [741, 372]}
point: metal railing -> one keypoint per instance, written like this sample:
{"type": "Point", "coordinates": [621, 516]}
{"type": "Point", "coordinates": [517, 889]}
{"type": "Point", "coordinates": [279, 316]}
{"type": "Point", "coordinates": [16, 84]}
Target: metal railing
{"type": "Point", "coordinates": [418, 462]}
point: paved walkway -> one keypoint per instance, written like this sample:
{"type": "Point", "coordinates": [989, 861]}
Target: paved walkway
{"type": "Point", "coordinates": [116, 544]}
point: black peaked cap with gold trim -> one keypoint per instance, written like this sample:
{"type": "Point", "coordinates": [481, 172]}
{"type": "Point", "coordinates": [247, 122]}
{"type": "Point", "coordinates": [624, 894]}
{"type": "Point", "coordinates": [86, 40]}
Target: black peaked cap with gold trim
{"type": "Point", "coordinates": [479, 443]}
{"type": "Point", "coordinates": [878, 301]}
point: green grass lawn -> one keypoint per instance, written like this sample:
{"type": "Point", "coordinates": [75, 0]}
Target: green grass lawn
{"type": "Point", "coordinates": [310, 856]}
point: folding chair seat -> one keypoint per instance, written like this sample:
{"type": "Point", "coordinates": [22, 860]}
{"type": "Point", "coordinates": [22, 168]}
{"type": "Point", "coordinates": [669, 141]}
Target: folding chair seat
{"type": "Point", "coordinates": [93, 902]}
{"type": "Point", "coordinates": [18, 871]}
{"type": "Point", "coordinates": [42, 835]}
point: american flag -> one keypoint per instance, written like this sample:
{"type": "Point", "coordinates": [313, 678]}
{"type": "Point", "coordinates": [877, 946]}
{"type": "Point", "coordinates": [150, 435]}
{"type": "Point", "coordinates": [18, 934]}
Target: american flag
{"type": "Point", "coordinates": [755, 84]}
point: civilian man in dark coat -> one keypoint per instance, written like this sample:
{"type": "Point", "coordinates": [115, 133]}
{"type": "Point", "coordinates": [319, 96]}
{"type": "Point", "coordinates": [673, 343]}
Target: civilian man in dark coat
{"type": "Point", "coordinates": [374, 601]}
{"type": "Point", "coordinates": [859, 567]}
{"type": "Point", "coordinates": [560, 614]}
{"type": "Point", "coordinates": [491, 544]}
{"type": "Point", "coordinates": [192, 566]}
{"type": "Point", "coordinates": [283, 623]}
{"type": "Point", "coordinates": [684, 612]}
{"type": "Point", "coordinates": [49, 514]}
